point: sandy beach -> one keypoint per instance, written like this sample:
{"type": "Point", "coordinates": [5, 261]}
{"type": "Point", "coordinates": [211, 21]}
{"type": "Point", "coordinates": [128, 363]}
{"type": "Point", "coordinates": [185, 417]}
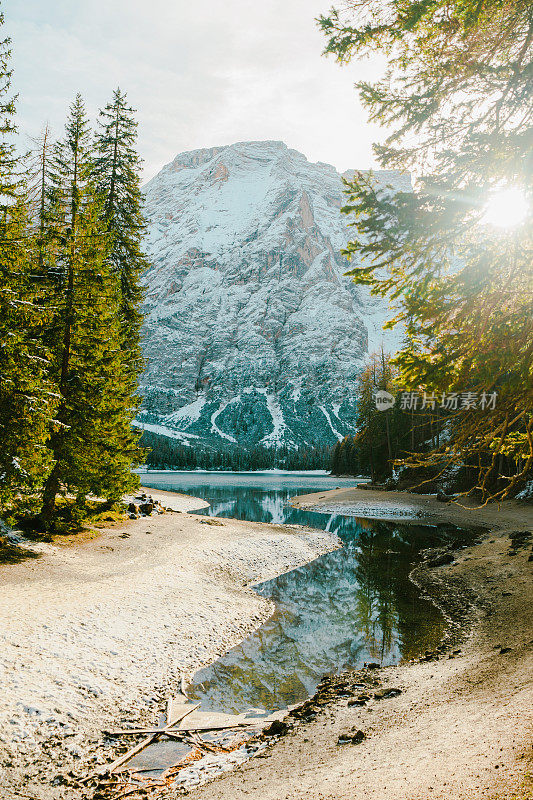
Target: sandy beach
{"type": "Point", "coordinates": [100, 628]}
{"type": "Point", "coordinates": [102, 625]}
{"type": "Point", "coordinates": [461, 727]}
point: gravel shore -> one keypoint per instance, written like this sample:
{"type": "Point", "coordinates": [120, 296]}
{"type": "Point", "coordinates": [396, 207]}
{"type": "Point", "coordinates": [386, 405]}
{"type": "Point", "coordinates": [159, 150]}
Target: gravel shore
{"type": "Point", "coordinates": [100, 627]}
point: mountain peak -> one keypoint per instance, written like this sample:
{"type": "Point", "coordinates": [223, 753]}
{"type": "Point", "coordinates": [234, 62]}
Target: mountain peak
{"type": "Point", "coordinates": [253, 333]}
{"type": "Point", "coordinates": [267, 150]}
{"type": "Point", "coordinates": [195, 158]}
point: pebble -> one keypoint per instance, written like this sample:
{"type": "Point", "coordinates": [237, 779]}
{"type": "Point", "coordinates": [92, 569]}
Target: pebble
{"type": "Point", "coordinates": [384, 694]}
{"type": "Point", "coordinates": [352, 737]}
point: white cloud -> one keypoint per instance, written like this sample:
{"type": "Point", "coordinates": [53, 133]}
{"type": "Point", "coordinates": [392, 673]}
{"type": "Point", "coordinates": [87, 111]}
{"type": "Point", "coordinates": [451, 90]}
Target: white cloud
{"type": "Point", "coordinates": [199, 74]}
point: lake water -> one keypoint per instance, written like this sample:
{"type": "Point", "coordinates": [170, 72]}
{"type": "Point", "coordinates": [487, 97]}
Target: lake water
{"type": "Point", "coordinates": [347, 607]}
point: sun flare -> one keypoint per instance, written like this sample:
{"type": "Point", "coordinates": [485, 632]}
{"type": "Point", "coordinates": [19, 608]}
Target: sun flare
{"type": "Point", "coordinates": [506, 208]}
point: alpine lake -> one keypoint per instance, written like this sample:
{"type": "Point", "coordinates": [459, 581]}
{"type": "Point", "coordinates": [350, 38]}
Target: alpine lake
{"type": "Point", "coordinates": [348, 607]}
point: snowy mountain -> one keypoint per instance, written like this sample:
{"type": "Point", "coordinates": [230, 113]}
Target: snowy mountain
{"type": "Point", "coordinates": [253, 335]}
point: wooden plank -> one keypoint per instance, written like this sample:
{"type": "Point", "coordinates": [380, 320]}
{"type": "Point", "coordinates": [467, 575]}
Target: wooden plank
{"type": "Point", "coordinates": [207, 728]}
{"type": "Point", "coordinates": [135, 731]}
{"type": "Point", "coordinates": [180, 731]}
{"type": "Point", "coordinates": [174, 713]}
{"type": "Point", "coordinates": [175, 709]}
{"type": "Point", "coordinates": [201, 721]}
{"type": "Point", "coordinates": [193, 725]}
{"type": "Point", "coordinates": [205, 720]}
{"type": "Point", "coordinates": [221, 727]}
{"type": "Point", "coordinates": [137, 749]}
{"type": "Point", "coordinates": [126, 731]}
{"type": "Point", "coordinates": [134, 750]}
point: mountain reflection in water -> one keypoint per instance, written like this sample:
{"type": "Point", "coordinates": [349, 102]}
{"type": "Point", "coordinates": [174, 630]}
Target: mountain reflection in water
{"type": "Point", "coordinates": [347, 607]}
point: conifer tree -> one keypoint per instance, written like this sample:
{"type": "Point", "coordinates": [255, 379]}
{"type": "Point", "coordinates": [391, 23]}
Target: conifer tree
{"type": "Point", "coordinates": [457, 98]}
{"type": "Point", "coordinates": [382, 436]}
{"type": "Point", "coordinates": [116, 175]}
{"type": "Point", "coordinates": [40, 170]}
{"type": "Point", "coordinates": [91, 441]}
{"type": "Point", "coordinates": [26, 396]}
{"type": "Point", "coordinates": [335, 459]}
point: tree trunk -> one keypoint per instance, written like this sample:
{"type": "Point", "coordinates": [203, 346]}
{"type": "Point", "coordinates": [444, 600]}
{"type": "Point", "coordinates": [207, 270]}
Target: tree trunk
{"type": "Point", "coordinates": [51, 488]}
{"type": "Point", "coordinates": [389, 446]}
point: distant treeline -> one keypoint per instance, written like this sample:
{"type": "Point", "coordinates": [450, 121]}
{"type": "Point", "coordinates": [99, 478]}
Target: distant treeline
{"type": "Point", "coordinates": [345, 457]}
{"type": "Point", "coordinates": [166, 453]}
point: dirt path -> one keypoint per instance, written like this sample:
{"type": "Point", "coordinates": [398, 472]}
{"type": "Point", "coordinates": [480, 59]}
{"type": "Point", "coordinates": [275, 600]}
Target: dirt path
{"type": "Point", "coordinates": [100, 627]}
{"type": "Point", "coordinates": [461, 728]}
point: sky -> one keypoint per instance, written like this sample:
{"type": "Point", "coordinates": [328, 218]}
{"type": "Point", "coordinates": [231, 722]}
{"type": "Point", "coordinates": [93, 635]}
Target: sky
{"type": "Point", "coordinates": [199, 74]}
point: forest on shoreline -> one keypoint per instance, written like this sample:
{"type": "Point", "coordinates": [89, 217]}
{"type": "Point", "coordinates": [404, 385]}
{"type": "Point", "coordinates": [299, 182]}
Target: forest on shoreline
{"type": "Point", "coordinates": [162, 452]}
{"type": "Point", "coordinates": [71, 262]}
{"type": "Point", "coordinates": [456, 101]}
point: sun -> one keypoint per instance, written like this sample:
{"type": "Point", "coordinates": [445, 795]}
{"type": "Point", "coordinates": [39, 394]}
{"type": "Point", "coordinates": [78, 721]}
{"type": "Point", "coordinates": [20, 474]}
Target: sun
{"type": "Point", "coordinates": [506, 208]}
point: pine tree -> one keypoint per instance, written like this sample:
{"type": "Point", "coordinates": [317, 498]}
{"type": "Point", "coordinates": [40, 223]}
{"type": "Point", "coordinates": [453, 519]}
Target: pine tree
{"type": "Point", "coordinates": [335, 459]}
{"type": "Point", "coordinates": [91, 442]}
{"type": "Point", "coordinates": [40, 170]}
{"type": "Point", "coordinates": [40, 165]}
{"type": "Point", "coordinates": [382, 436]}
{"type": "Point", "coordinates": [115, 172]}
{"type": "Point", "coordinates": [457, 98]}
{"type": "Point", "coordinates": [26, 396]}
{"type": "Point", "coordinates": [116, 175]}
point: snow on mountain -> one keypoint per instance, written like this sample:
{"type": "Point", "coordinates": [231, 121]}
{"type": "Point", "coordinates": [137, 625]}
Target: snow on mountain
{"type": "Point", "coordinates": [253, 335]}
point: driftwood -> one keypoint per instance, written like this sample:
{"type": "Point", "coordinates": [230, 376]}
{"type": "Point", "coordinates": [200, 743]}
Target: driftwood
{"type": "Point", "coordinates": [178, 731]}
{"type": "Point", "coordinates": [152, 738]}
{"type": "Point", "coordinates": [132, 731]}
{"type": "Point", "coordinates": [175, 707]}
{"type": "Point", "coordinates": [172, 733]}
{"type": "Point", "coordinates": [213, 721]}
{"type": "Point", "coordinates": [198, 721]}
{"type": "Point", "coordinates": [185, 723]}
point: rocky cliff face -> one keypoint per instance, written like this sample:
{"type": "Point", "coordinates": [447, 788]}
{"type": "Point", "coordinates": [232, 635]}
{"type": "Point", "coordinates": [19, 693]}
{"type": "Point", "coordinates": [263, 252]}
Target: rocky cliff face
{"type": "Point", "coordinates": [253, 335]}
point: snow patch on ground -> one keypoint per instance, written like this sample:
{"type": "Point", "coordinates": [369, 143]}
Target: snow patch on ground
{"type": "Point", "coordinates": [162, 430]}
{"type": "Point", "coordinates": [214, 426]}
{"type": "Point", "coordinates": [276, 437]}
{"type": "Point", "coordinates": [339, 436]}
{"type": "Point", "coordinates": [383, 510]}
{"type": "Point", "coordinates": [189, 413]}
